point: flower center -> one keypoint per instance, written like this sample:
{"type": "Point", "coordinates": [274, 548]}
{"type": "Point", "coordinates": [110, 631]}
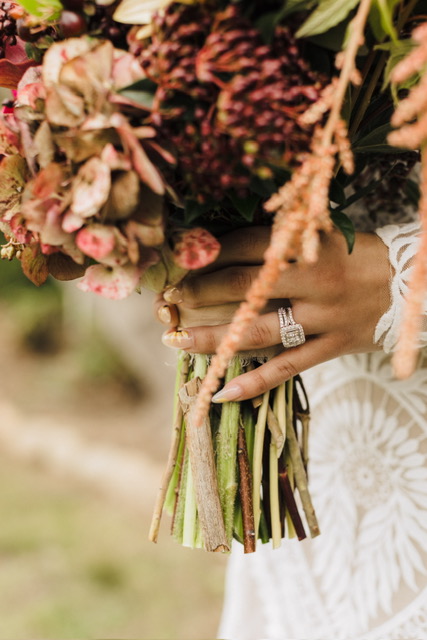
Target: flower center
{"type": "Point", "coordinates": [367, 476]}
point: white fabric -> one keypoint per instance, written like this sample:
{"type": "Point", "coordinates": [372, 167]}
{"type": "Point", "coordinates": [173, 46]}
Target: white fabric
{"type": "Point", "coordinates": [365, 576]}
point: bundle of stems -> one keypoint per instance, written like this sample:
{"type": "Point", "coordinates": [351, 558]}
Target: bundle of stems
{"type": "Point", "coordinates": [242, 473]}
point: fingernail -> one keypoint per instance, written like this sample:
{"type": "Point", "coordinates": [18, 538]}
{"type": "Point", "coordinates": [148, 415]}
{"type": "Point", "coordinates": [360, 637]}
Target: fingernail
{"type": "Point", "coordinates": [227, 393]}
{"type": "Point", "coordinates": [164, 314]}
{"type": "Point", "coordinates": [173, 295]}
{"type": "Point", "coordinates": [177, 339]}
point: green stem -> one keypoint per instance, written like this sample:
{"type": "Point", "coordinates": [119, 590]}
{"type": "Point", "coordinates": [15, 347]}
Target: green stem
{"type": "Point", "coordinates": [189, 533]}
{"type": "Point", "coordinates": [276, 527]}
{"type": "Point", "coordinates": [179, 507]}
{"type": "Point", "coordinates": [227, 453]}
{"type": "Point", "coordinates": [171, 494]}
{"type": "Point", "coordinates": [257, 458]}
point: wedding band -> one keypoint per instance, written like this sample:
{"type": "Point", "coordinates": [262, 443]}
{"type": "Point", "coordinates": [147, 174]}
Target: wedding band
{"type": "Point", "coordinates": [291, 333]}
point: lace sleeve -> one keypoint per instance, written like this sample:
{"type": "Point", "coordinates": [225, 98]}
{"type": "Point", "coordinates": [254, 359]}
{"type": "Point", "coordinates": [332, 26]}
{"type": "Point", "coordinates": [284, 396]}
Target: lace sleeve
{"type": "Point", "coordinates": [402, 242]}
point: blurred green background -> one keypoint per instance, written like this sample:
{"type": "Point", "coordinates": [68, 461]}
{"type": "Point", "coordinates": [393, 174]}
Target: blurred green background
{"type": "Point", "coordinates": [85, 401]}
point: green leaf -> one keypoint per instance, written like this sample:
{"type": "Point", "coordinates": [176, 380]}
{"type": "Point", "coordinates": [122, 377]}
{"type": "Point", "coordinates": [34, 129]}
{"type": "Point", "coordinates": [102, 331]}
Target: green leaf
{"type": "Point", "coordinates": [336, 192]}
{"type": "Point", "coordinates": [328, 14]}
{"type": "Point", "coordinates": [194, 209]}
{"type": "Point", "coordinates": [382, 19]}
{"type": "Point", "coordinates": [346, 226]}
{"type": "Point", "coordinates": [46, 9]}
{"type": "Point", "coordinates": [397, 51]}
{"type": "Point", "coordinates": [246, 206]}
{"type": "Point", "coordinates": [141, 92]}
{"type": "Point", "coordinates": [376, 142]}
{"type": "Point", "coordinates": [291, 6]}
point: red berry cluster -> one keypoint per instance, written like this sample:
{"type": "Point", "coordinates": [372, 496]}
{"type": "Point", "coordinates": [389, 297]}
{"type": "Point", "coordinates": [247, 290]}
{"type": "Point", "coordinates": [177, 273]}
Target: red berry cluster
{"type": "Point", "coordinates": [229, 102]}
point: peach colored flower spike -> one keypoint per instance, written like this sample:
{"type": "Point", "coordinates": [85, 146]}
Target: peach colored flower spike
{"type": "Point", "coordinates": [302, 210]}
{"type": "Point", "coordinates": [413, 135]}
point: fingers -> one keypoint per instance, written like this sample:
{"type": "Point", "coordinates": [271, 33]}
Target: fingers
{"type": "Point", "coordinates": [279, 369]}
{"type": "Point", "coordinates": [263, 333]}
{"type": "Point", "coordinates": [244, 246]}
{"type": "Point", "coordinates": [166, 313]}
{"type": "Point", "coordinates": [232, 283]}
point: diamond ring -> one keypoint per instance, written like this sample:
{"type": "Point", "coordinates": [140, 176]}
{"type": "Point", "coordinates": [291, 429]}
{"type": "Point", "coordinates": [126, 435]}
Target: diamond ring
{"type": "Point", "coordinates": [291, 333]}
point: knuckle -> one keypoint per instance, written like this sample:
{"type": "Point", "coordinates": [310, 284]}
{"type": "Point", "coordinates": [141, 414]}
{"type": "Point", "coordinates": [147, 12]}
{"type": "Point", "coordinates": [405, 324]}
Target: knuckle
{"type": "Point", "coordinates": [286, 369]}
{"type": "Point", "coordinates": [260, 335]}
{"type": "Point", "coordinates": [210, 343]}
{"type": "Point", "coordinates": [239, 279]}
{"type": "Point", "coordinates": [191, 293]}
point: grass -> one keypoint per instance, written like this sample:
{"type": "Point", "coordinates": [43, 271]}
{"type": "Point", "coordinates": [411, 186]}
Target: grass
{"type": "Point", "coordinates": [75, 566]}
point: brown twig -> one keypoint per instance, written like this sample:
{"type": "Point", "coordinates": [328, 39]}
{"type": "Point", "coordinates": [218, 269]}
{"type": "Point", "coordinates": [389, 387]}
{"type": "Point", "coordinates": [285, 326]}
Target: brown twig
{"type": "Point", "coordinates": [199, 442]}
{"type": "Point", "coordinates": [301, 479]}
{"type": "Point", "coordinates": [289, 499]}
{"type": "Point", "coordinates": [245, 490]}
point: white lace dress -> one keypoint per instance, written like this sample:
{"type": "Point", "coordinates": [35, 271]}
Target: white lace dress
{"type": "Point", "coordinates": [365, 576]}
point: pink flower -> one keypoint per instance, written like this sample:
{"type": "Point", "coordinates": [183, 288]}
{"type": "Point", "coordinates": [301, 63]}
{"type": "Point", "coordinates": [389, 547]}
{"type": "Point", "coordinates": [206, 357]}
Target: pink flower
{"type": "Point", "coordinates": [96, 240]}
{"type": "Point", "coordinates": [196, 249]}
{"type": "Point", "coordinates": [114, 283]}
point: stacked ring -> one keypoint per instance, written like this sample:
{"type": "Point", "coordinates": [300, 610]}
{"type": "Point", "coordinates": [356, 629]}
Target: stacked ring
{"type": "Point", "coordinates": [291, 333]}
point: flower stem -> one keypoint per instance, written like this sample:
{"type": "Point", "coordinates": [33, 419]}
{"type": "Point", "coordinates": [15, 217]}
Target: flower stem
{"type": "Point", "coordinates": [182, 373]}
{"type": "Point", "coordinates": [299, 471]}
{"type": "Point", "coordinates": [245, 490]}
{"type": "Point", "coordinates": [189, 532]}
{"type": "Point", "coordinates": [226, 457]}
{"type": "Point", "coordinates": [257, 458]}
{"type": "Point", "coordinates": [276, 527]}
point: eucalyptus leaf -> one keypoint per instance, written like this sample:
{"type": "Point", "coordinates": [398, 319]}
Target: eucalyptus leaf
{"type": "Point", "coordinates": [346, 226]}
{"type": "Point", "coordinates": [328, 14]}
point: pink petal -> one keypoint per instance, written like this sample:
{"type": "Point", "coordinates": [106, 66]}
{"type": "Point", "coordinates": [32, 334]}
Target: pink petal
{"type": "Point", "coordinates": [196, 249]}
{"type": "Point", "coordinates": [116, 283]}
{"type": "Point", "coordinates": [71, 222]}
{"type": "Point", "coordinates": [96, 241]}
{"type": "Point", "coordinates": [91, 188]}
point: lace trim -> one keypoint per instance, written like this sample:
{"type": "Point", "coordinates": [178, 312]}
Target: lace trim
{"type": "Point", "coordinates": [402, 241]}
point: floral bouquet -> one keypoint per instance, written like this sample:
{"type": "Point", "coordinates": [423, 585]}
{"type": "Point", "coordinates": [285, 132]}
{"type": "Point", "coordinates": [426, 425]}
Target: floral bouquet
{"type": "Point", "coordinates": [137, 132]}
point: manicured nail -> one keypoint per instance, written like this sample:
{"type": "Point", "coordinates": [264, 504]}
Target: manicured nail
{"type": "Point", "coordinates": [177, 339]}
{"type": "Point", "coordinates": [164, 314]}
{"type": "Point", "coordinates": [173, 295]}
{"type": "Point", "coordinates": [227, 393]}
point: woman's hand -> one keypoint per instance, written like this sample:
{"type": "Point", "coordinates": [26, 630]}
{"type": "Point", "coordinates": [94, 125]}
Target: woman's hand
{"type": "Point", "coordinates": [338, 301]}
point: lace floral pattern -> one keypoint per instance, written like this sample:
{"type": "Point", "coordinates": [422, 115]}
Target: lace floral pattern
{"type": "Point", "coordinates": [402, 242]}
{"type": "Point", "coordinates": [365, 577]}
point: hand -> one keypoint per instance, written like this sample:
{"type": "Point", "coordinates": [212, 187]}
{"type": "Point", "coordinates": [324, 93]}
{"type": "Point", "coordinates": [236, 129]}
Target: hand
{"type": "Point", "coordinates": [338, 301]}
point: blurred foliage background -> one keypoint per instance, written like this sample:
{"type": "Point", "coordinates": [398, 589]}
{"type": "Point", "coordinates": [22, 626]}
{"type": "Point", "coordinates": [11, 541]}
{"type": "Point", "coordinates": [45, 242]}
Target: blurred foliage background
{"type": "Point", "coordinates": [85, 400]}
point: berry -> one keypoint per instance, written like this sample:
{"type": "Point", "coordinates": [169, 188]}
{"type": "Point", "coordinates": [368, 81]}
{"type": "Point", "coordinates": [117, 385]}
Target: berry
{"type": "Point", "coordinates": [72, 24]}
{"type": "Point", "coordinates": [24, 32]}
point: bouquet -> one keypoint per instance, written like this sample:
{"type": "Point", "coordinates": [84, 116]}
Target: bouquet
{"type": "Point", "coordinates": [137, 132]}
